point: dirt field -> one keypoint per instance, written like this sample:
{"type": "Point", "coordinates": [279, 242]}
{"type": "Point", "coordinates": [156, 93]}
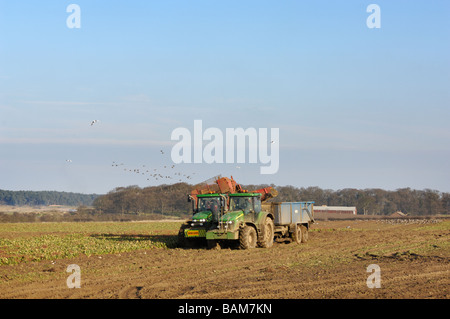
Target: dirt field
{"type": "Point", "coordinates": [413, 258]}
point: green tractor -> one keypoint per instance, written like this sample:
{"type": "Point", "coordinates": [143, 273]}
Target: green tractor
{"type": "Point", "coordinates": [207, 209]}
{"type": "Point", "coordinates": [245, 224]}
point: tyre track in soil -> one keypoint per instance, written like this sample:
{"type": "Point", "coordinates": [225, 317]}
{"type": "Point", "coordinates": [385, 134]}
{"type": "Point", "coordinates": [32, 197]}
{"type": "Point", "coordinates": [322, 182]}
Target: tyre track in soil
{"type": "Point", "coordinates": [133, 292]}
{"type": "Point", "coordinates": [436, 279]}
{"type": "Point", "coordinates": [212, 271]}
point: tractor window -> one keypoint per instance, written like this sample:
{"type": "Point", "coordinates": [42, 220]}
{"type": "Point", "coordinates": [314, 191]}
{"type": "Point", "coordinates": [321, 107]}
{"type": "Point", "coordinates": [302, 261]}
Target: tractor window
{"type": "Point", "coordinates": [241, 203]}
{"type": "Point", "coordinates": [210, 203]}
{"type": "Point", "coordinates": [257, 204]}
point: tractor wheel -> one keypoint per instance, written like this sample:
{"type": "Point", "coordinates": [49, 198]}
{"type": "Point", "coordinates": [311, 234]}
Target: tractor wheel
{"type": "Point", "coordinates": [247, 238]}
{"type": "Point", "coordinates": [267, 234]}
{"type": "Point", "coordinates": [297, 235]}
{"type": "Point", "coordinates": [304, 233]}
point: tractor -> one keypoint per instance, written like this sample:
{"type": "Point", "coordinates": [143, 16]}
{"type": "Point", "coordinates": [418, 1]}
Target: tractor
{"type": "Point", "coordinates": [226, 214]}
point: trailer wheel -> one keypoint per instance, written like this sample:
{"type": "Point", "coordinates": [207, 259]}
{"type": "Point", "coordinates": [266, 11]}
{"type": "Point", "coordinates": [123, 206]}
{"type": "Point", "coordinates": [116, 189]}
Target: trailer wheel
{"type": "Point", "coordinates": [297, 234]}
{"type": "Point", "coordinates": [267, 234]}
{"type": "Point", "coordinates": [304, 236]}
{"type": "Point", "coordinates": [247, 238]}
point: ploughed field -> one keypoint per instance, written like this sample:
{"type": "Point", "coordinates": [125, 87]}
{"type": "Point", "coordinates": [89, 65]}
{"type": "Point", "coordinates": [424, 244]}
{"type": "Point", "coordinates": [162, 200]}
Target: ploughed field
{"type": "Point", "coordinates": [142, 260]}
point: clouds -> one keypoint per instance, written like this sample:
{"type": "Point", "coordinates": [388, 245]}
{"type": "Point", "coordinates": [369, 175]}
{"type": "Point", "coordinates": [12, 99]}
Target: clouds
{"type": "Point", "coordinates": [82, 141]}
{"type": "Point", "coordinates": [365, 135]}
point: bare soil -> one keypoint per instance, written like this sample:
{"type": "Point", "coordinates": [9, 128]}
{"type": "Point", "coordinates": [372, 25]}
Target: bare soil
{"type": "Point", "coordinates": [414, 260]}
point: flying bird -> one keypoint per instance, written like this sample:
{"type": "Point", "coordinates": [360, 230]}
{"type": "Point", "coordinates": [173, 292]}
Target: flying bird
{"type": "Point", "coordinates": [93, 122]}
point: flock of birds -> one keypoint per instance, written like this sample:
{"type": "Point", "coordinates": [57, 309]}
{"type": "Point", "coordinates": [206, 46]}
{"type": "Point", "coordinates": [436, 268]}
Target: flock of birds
{"type": "Point", "coordinates": [157, 174]}
{"type": "Point", "coordinates": [162, 173]}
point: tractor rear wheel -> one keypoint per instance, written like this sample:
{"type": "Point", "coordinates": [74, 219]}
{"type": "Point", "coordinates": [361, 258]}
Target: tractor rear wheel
{"type": "Point", "coordinates": [247, 238]}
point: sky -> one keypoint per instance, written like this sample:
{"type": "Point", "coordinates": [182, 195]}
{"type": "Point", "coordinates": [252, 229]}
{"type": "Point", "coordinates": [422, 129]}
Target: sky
{"type": "Point", "coordinates": [356, 107]}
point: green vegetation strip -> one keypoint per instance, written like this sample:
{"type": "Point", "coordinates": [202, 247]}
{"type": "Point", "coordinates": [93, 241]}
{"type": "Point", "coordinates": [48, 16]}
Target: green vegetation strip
{"type": "Point", "coordinates": [67, 240]}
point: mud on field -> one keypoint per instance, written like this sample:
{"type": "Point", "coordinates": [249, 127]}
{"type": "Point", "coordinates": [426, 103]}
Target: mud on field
{"type": "Point", "coordinates": [414, 261]}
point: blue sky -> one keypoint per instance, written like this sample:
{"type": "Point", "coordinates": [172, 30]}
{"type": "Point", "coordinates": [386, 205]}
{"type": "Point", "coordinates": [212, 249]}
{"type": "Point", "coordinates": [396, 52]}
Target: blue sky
{"type": "Point", "coordinates": [356, 107]}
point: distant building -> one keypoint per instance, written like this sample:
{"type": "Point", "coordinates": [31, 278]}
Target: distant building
{"type": "Point", "coordinates": [335, 209]}
{"type": "Point", "coordinates": [398, 214]}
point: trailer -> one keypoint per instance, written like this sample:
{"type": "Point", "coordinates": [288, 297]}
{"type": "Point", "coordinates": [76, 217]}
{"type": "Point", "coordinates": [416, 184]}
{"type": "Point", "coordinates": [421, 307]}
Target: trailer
{"type": "Point", "coordinates": [292, 219]}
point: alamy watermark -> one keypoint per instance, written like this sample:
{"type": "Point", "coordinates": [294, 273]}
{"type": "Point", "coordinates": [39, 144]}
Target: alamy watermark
{"type": "Point", "coordinates": [223, 146]}
{"type": "Point", "coordinates": [74, 280]}
{"type": "Point", "coordinates": [73, 21]}
{"type": "Point", "coordinates": [374, 280]}
{"type": "Point", "coordinates": [374, 19]}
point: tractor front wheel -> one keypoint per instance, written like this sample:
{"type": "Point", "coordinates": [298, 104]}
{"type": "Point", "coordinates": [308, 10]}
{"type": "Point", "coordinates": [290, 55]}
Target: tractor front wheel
{"type": "Point", "coordinates": [247, 238]}
{"type": "Point", "coordinates": [213, 244]}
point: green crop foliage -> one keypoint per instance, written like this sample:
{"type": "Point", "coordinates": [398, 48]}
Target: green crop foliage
{"type": "Point", "coordinates": [50, 241]}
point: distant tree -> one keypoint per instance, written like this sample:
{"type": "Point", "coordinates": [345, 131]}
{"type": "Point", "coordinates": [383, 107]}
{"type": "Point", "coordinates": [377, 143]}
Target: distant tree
{"type": "Point", "coordinates": [39, 198]}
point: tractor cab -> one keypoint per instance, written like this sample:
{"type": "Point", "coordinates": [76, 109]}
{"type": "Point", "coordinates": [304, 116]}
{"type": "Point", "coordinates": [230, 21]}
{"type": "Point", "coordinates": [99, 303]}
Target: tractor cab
{"type": "Point", "coordinates": [208, 207]}
{"type": "Point", "coordinates": [248, 203]}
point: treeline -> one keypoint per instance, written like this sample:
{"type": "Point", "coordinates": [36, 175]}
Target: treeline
{"type": "Point", "coordinates": [172, 200]}
{"type": "Point", "coordinates": [44, 198]}
{"type": "Point", "coordinates": [372, 201]}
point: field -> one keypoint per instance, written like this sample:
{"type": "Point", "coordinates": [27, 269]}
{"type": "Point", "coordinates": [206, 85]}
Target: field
{"type": "Point", "coordinates": [142, 260]}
